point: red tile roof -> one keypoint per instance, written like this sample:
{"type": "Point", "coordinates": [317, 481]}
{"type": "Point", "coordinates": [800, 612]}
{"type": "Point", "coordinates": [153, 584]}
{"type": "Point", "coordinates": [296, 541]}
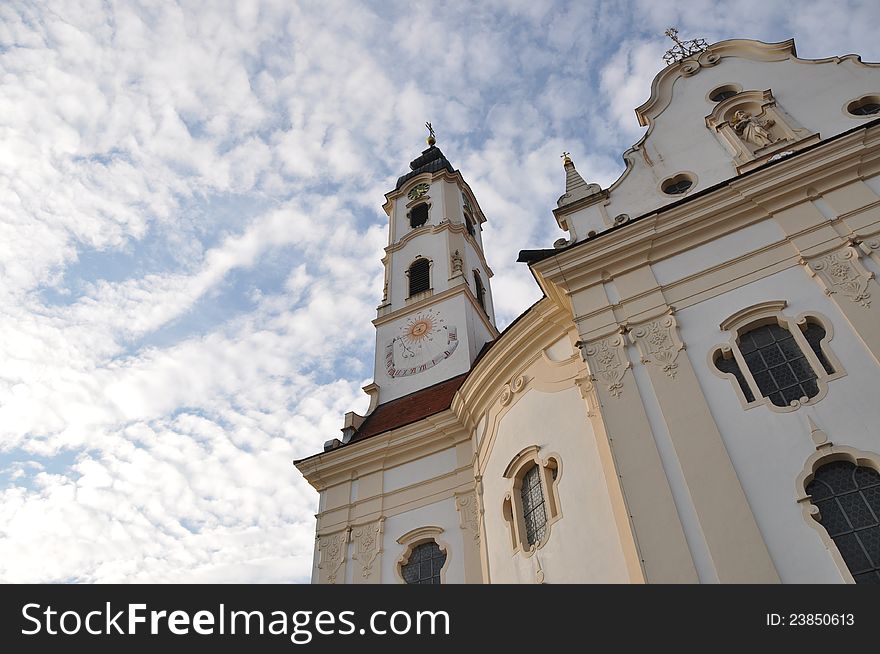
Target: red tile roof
{"type": "Point", "coordinates": [409, 408]}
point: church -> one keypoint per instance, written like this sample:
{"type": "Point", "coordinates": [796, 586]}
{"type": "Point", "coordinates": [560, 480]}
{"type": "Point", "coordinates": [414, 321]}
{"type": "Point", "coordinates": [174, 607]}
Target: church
{"type": "Point", "coordinates": [694, 399]}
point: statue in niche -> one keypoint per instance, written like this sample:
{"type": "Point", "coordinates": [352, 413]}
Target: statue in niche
{"type": "Point", "coordinates": [752, 129]}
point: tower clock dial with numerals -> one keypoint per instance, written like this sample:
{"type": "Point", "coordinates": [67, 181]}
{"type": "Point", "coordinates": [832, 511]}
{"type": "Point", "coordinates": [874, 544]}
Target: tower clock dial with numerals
{"type": "Point", "coordinates": [422, 342]}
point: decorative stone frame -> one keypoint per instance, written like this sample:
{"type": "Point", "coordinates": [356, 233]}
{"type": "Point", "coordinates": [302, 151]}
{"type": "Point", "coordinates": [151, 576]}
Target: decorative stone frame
{"type": "Point", "coordinates": [827, 452]}
{"type": "Point", "coordinates": [511, 506]}
{"type": "Point", "coordinates": [419, 536]}
{"type": "Point", "coordinates": [788, 133]}
{"type": "Point", "coordinates": [732, 86]}
{"type": "Point", "coordinates": [766, 313]}
{"type": "Point", "coordinates": [862, 99]}
{"type": "Point", "coordinates": [427, 292]}
{"type": "Point", "coordinates": [679, 176]}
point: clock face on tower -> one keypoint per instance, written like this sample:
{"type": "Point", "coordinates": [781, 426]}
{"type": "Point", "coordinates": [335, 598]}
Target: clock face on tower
{"type": "Point", "coordinates": [422, 342]}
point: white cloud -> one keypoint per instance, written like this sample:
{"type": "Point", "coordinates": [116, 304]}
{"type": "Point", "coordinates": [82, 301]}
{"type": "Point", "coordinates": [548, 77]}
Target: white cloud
{"type": "Point", "coordinates": [190, 235]}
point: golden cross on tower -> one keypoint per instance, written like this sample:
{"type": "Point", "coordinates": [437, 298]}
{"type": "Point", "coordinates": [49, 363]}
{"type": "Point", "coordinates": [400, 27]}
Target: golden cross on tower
{"type": "Point", "coordinates": [566, 158]}
{"type": "Point", "coordinates": [431, 140]}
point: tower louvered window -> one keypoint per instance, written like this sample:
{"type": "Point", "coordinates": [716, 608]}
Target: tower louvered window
{"type": "Point", "coordinates": [469, 224]}
{"type": "Point", "coordinates": [479, 291]}
{"type": "Point", "coordinates": [418, 216]}
{"type": "Point", "coordinates": [848, 499]}
{"type": "Point", "coordinates": [419, 276]}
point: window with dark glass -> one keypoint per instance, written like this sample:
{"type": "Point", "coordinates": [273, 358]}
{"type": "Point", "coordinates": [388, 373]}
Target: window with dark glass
{"type": "Point", "coordinates": [848, 499]}
{"type": "Point", "coordinates": [418, 216]}
{"type": "Point", "coordinates": [479, 291]}
{"type": "Point", "coordinates": [730, 365]}
{"type": "Point", "coordinates": [419, 276]}
{"type": "Point", "coordinates": [778, 365]}
{"type": "Point", "coordinates": [723, 94]}
{"type": "Point", "coordinates": [814, 333]}
{"type": "Point", "coordinates": [424, 564]}
{"type": "Point", "coordinates": [677, 185]}
{"type": "Point", "coordinates": [865, 107]}
{"type": "Point", "coordinates": [469, 224]}
{"type": "Point", "coordinates": [533, 506]}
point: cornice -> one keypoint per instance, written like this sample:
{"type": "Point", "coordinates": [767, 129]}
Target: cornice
{"type": "Point", "coordinates": [462, 289]}
{"type": "Point", "coordinates": [427, 436]}
{"type": "Point", "coordinates": [442, 174]}
{"type": "Point", "coordinates": [444, 225]}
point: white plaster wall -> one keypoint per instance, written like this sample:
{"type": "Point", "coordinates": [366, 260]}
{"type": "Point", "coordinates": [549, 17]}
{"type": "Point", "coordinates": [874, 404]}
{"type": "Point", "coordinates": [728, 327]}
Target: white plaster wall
{"type": "Point", "coordinates": [439, 514]}
{"type": "Point", "coordinates": [561, 350]}
{"type": "Point", "coordinates": [814, 95]}
{"type": "Point", "coordinates": [420, 470]}
{"type": "Point", "coordinates": [769, 449]}
{"type": "Point", "coordinates": [714, 252]}
{"type": "Point", "coordinates": [687, 512]}
{"type": "Point", "coordinates": [584, 545]}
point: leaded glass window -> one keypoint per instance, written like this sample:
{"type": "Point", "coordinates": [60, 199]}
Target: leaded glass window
{"type": "Point", "coordinates": [424, 565]}
{"type": "Point", "coordinates": [848, 499]}
{"type": "Point", "coordinates": [533, 506]}
{"type": "Point", "coordinates": [780, 369]}
{"type": "Point", "coordinates": [419, 276]}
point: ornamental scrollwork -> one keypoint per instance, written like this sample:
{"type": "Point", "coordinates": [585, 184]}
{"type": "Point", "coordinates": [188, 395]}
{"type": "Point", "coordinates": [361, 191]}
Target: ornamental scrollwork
{"type": "Point", "coordinates": [368, 545]}
{"type": "Point", "coordinates": [607, 361]}
{"type": "Point", "coordinates": [332, 549]}
{"type": "Point", "coordinates": [469, 513]}
{"type": "Point", "coordinates": [659, 344]}
{"type": "Point", "coordinates": [842, 272]}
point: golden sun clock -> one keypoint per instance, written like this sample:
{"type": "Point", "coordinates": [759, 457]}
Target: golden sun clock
{"type": "Point", "coordinates": [422, 342]}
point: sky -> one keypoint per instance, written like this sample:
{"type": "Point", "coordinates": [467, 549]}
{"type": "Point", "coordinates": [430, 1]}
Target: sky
{"type": "Point", "coordinates": [191, 233]}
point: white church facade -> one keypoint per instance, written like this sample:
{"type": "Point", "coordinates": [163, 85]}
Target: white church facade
{"type": "Point", "coordinates": [695, 397]}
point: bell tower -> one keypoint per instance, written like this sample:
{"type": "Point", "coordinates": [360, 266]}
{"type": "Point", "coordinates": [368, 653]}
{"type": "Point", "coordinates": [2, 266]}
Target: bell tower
{"type": "Point", "coordinates": [437, 311]}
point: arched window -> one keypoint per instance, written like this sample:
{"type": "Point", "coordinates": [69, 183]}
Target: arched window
{"type": "Point", "coordinates": [778, 365]}
{"type": "Point", "coordinates": [479, 291]}
{"type": "Point", "coordinates": [775, 360]}
{"type": "Point", "coordinates": [418, 216]}
{"type": "Point", "coordinates": [848, 499]}
{"type": "Point", "coordinates": [419, 276]}
{"type": "Point", "coordinates": [531, 506]}
{"type": "Point", "coordinates": [424, 564]}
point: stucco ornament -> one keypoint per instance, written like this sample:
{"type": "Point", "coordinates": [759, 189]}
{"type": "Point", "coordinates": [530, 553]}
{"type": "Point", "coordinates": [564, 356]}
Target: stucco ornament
{"type": "Point", "coordinates": [606, 360]}
{"type": "Point", "coordinates": [332, 549]}
{"type": "Point", "coordinates": [753, 129]}
{"type": "Point", "coordinates": [468, 513]}
{"type": "Point", "coordinates": [368, 546]}
{"type": "Point", "coordinates": [842, 272]}
{"type": "Point", "coordinates": [659, 344]}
